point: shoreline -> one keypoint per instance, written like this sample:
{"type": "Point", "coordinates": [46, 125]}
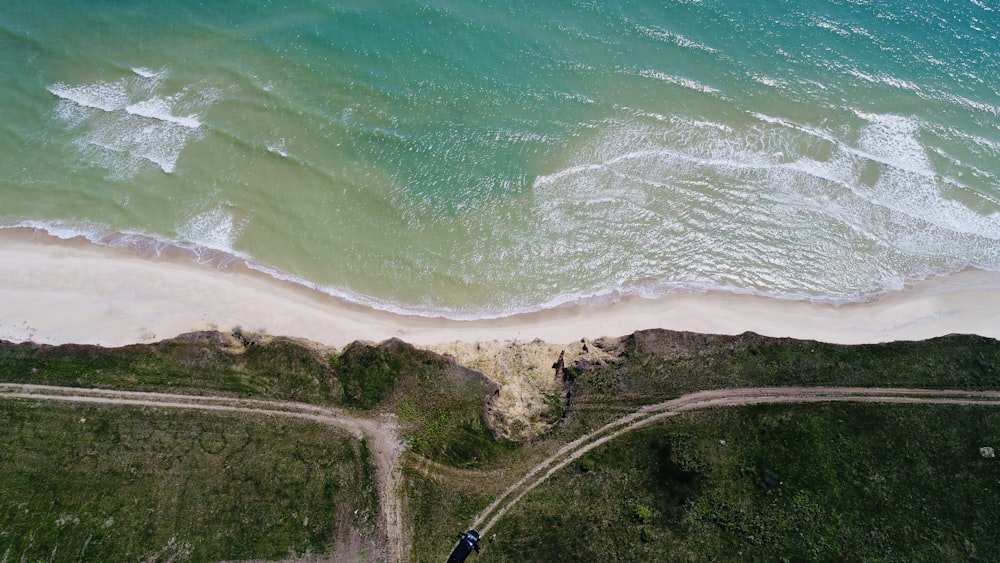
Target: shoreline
{"type": "Point", "coordinates": [60, 291]}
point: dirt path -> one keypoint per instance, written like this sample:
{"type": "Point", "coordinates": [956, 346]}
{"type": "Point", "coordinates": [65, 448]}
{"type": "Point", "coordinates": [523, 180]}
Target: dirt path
{"type": "Point", "coordinates": [387, 448]}
{"type": "Point", "coordinates": [381, 433]}
{"type": "Point", "coordinates": [713, 399]}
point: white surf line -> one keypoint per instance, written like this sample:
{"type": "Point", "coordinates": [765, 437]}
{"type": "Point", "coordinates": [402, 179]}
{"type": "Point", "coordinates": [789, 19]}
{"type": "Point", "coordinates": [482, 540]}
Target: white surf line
{"type": "Point", "coordinates": [386, 448]}
{"type": "Point", "coordinates": [722, 398]}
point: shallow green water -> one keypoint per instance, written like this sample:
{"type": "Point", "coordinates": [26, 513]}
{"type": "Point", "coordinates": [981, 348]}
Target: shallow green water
{"type": "Point", "coordinates": [478, 159]}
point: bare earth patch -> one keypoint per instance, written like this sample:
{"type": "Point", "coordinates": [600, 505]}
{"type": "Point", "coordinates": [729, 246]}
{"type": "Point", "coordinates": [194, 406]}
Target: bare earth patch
{"type": "Point", "coordinates": [530, 375]}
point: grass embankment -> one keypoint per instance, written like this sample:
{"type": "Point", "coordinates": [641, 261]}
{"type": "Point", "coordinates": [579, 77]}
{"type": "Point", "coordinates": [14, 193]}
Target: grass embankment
{"type": "Point", "coordinates": [203, 363]}
{"type": "Point", "coordinates": [439, 404]}
{"type": "Point", "coordinates": [666, 363]}
{"type": "Point", "coordinates": [658, 365]}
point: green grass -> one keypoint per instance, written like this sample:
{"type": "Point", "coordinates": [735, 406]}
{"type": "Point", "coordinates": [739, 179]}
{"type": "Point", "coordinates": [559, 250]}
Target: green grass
{"type": "Point", "coordinates": [442, 417]}
{"type": "Point", "coordinates": [439, 407]}
{"type": "Point", "coordinates": [440, 507]}
{"type": "Point", "coordinates": [658, 365]}
{"type": "Point", "coordinates": [197, 363]}
{"type": "Point", "coordinates": [84, 482]}
{"type": "Point", "coordinates": [770, 483]}
{"type": "Point", "coordinates": [439, 403]}
{"type": "Point", "coordinates": [839, 481]}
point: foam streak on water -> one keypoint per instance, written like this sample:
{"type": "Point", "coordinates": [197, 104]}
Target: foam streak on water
{"type": "Point", "coordinates": [481, 159]}
{"type": "Point", "coordinates": [134, 123]}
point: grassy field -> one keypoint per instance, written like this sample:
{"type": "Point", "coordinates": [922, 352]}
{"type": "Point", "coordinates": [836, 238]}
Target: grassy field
{"type": "Point", "coordinates": [654, 366]}
{"type": "Point", "coordinates": [246, 495]}
{"type": "Point", "coordinates": [766, 483]}
{"type": "Point", "coordinates": [98, 483]}
{"type": "Point", "coordinates": [833, 482]}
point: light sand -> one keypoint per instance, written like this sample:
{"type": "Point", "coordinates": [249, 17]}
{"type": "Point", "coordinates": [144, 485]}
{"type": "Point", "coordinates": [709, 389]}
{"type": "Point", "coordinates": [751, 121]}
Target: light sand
{"type": "Point", "coordinates": [54, 291]}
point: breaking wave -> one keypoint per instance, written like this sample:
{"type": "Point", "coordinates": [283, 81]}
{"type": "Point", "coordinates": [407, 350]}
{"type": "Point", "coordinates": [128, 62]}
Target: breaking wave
{"type": "Point", "coordinates": [121, 123]}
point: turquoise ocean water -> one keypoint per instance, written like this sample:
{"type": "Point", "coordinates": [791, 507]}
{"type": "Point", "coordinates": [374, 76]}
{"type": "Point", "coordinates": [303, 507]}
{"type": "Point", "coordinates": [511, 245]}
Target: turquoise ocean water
{"type": "Point", "coordinates": [476, 159]}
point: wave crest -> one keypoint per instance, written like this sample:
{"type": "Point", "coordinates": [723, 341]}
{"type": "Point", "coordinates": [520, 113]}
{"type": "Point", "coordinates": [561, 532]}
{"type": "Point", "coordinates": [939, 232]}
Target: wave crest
{"type": "Point", "coordinates": [124, 122]}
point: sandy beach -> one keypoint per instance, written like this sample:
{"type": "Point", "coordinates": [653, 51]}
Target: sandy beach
{"type": "Point", "coordinates": [70, 291]}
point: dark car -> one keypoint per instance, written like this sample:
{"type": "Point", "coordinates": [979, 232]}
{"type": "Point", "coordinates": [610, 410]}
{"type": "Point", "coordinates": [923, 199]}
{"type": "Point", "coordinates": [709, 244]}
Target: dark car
{"type": "Point", "coordinates": [466, 543]}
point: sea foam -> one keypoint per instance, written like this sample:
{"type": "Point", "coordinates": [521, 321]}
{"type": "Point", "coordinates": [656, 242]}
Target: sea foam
{"type": "Point", "coordinates": [159, 109]}
{"type": "Point", "coordinates": [135, 124]}
{"type": "Point", "coordinates": [678, 80]}
{"type": "Point", "coordinates": [215, 229]}
{"type": "Point", "coordinates": [779, 208]}
{"type": "Point", "coordinates": [146, 73]}
{"type": "Point", "coordinates": [105, 96]}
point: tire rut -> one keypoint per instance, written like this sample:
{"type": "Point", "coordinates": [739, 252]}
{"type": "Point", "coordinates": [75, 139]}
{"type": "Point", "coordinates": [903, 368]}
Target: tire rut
{"type": "Point", "coordinates": [387, 448]}
{"type": "Point", "coordinates": [715, 399]}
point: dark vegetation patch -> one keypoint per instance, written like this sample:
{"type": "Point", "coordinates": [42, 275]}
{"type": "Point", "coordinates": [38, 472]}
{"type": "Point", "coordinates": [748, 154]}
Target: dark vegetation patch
{"type": "Point", "coordinates": [439, 404]}
{"type": "Point", "coordinates": [658, 365]}
{"type": "Point", "coordinates": [96, 483]}
{"type": "Point", "coordinates": [368, 374]}
{"type": "Point", "coordinates": [196, 363]}
{"type": "Point", "coordinates": [835, 482]}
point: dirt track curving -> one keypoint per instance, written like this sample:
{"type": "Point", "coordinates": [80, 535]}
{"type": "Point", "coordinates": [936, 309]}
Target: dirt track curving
{"type": "Point", "coordinates": [713, 399]}
{"type": "Point", "coordinates": [387, 448]}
